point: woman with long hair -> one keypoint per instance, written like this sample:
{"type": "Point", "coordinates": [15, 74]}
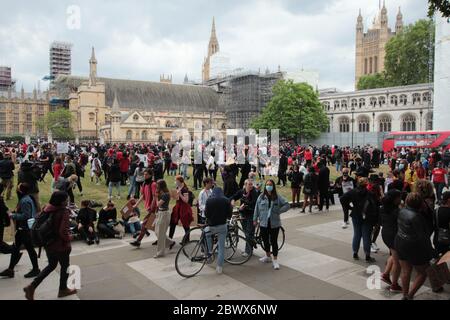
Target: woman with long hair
{"type": "Point", "coordinates": [268, 209]}
{"type": "Point", "coordinates": [162, 218]}
{"type": "Point", "coordinates": [182, 210]}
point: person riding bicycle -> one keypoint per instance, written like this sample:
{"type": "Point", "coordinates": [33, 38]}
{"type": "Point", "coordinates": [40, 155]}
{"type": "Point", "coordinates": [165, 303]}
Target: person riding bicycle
{"type": "Point", "coordinates": [217, 210]}
{"type": "Point", "coordinates": [247, 196]}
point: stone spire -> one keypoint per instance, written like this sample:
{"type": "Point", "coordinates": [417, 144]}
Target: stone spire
{"type": "Point", "coordinates": [399, 22]}
{"type": "Point", "coordinates": [186, 79]}
{"type": "Point", "coordinates": [115, 106]}
{"type": "Point", "coordinates": [359, 23]}
{"type": "Point", "coordinates": [92, 69]}
{"type": "Point", "coordinates": [213, 45]}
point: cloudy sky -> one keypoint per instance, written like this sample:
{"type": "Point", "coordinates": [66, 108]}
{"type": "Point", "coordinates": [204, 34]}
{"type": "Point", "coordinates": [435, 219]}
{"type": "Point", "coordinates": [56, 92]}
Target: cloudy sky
{"type": "Point", "coordinates": [140, 39]}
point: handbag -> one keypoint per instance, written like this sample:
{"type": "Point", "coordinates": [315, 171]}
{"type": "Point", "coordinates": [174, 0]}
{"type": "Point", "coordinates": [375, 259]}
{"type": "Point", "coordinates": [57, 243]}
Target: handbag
{"type": "Point", "coordinates": [438, 274]}
{"type": "Point", "coordinates": [150, 224]}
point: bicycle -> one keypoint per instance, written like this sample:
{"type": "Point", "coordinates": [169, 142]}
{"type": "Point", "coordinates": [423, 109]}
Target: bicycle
{"type": "Point", "coordinates": [194, 254]}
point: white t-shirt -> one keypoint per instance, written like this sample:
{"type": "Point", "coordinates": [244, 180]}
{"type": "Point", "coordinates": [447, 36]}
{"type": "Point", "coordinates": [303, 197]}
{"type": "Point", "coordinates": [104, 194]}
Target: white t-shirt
{"type": "Point", "coordinates": [347, 185]}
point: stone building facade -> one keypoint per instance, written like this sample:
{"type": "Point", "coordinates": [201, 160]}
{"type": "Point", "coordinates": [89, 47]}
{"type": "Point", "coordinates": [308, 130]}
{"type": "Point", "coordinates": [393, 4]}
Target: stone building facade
{"type": "Point", "coordinates": [370, 46]}
{"type": "Point", "coordinates": [116, 110]}
{"type": "Point", "coordinates": [20, 111]}
{"type": "Point", "coordinates": [406, 108]}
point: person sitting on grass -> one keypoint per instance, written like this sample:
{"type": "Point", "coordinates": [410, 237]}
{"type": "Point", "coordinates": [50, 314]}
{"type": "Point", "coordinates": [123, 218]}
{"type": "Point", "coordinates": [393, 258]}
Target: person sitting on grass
{"type": "Point", "coordinates": [86, 218]}
{"type": "Point", "coordinates": [107, 220]}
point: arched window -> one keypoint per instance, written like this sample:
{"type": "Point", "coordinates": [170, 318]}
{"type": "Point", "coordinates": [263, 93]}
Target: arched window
{"type": "Point", "coordinates": [403, 99]}
{"type": "Point", "coordinates": [135, 117]}
{"type": "Point", "coordinates": [144, 135]}
{"type": "Point", "coordinates": [385, 124]}
{"type": "Point", "coordinates": [429, 121]}
{"type": "Point", "coordinates": [344, 124]}
{"type": "Point", "coordinates": [373, 101]}
{"type": "Point", "coordinates": [409, 123]}
{"type": "Point", "coordinates": [91, 116]}
{"type": "Point", "coordinates": [224, 125]}
{"type": "Point", "coordinates": [364, 124]}
{"type": "Point", "coordinates": [362, 102]}
{"type": "Point", "coordinates": [394, 100]}
{"type": "Point", "coordinates": [168, 124]}
{"type": "Point", "coordinates": [344, 104]}
{"type": "Point", "coordinates": [326, 106]}
{"type": "Point", "coordinates": [416, 98]}
{"type": "Point", "coordinates": [336, 104]}
{"type": "Point", "coordinates": [381, 101]}
{"type": "Point", "coordinates": [426, 97]}
{"type": "Point", "coordinates": [129, 135]}
{"type": "Point", "coordinates": [354, 103]}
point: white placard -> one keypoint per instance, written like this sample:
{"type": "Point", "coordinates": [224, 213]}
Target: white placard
{"type": "Point", "coordinates": [62, 147]}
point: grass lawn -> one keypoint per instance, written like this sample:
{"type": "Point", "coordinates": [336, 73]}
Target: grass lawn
{"type": "Point", "coordinates": [91, 191]}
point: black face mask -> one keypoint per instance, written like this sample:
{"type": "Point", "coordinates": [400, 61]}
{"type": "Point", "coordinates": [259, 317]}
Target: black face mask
{"type": "Point", "coordinates": [148, 181]}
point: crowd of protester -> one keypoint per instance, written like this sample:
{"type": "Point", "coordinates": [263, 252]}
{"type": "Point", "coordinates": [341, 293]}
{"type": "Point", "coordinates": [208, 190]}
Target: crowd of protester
{"type": "Point", "coordinates": [409, 206]}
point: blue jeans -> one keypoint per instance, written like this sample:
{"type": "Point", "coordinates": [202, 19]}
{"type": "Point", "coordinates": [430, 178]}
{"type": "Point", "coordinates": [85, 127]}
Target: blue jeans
{"type": "Point", "coordinates": [361, 229]}
{"type": "Point", "coordinates": [184, 168]}
{"type": "Point", "coordinates": [249, 230]}
{"type": "Point", "coordinates": [132, 227]}
{"type": "Point", "coordinates": [117, 185]}
{"type": "Point", "coordinates": [132, 188]}
{"type": "Point", "coordinates": [221, 231]}
{"type": "Point", "coordinates": [338, 166]}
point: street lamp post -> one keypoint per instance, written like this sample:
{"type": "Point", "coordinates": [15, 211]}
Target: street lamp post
{"type": "Point", "coordinates": [353, 120]}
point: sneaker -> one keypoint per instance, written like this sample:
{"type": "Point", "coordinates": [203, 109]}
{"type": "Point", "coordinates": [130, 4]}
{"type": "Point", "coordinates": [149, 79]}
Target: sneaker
{"type": "Point", "coordinates": [29, 292]}
{"type": "Point", "coordinates": [395, 288]}
{"type": "Point", "coordinates": [135, 235]}
{"type": "Point", "coordinates": [265, 259]}
{"type": "Point", "coordinates": [244, 254]}
{"type": "Point", "coordinates": [90, 243]}
{"type": "Point", "coordinates": [344, 225]}
{"type": "Point", "coordinates": [355, 256]}
{"type": "Point", "coordinates": [155, 243]}
{"type": "Point", "coordinates": [97, 241]}
{"type": "Point", "coordinates": [374, 248]}
{"type": "Point", "coordinates": [219, 270]}
{"type": "Point", "coordinates": [275, 265]}
{"type": "Point", "coordinates": [147, 233]}
{"type": "Point", "coordinates": [385, 278]}
{"type": "Point", "coordinates": [171, 245]}
{"type": "Point", "coordinates": [33, 273]}
{"type": "Point", "coordinates": [136, 244]}
{"type": "Point", "coordinates": [66, 292]}
{"type": "Point", "coordinates": [370, 260]}
{"type": "Point", "coordinates": [8, 273]}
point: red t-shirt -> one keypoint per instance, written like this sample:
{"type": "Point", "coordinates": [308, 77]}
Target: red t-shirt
{"type": "Point", "coordinates": [124, 164]}
{"type": "Point", "coordinates": [57, 169]}
{"type": "Point", "coordinates": [148, 192]}
{"type": "Point", "coordinates": [308, 155]}
{"type": "Point", "coordinates": [439, 175]}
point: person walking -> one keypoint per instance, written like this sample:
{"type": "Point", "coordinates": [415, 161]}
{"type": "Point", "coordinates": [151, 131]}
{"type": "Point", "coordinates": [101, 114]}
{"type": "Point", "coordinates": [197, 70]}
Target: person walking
{"type": "Point", "coordinates": [58, 168]}
{"type": "Point", "coordinates": [139, 179]}
{"type": "Point", "coordinates": [323, 184]}
{"type": "Point", "coordinates": [25, 210]}
{"type": "Point", "coordinates": [310, 189]}
{"type": "Point", "coordinates": [364, 214]}
{"type": "Point", "coordinates": [440, 180]}
{"type": "Point", "coordinates": [182, 210]}
{"type": "Point", "coordinates": [389, 216]}
{"type": "Point", "coordinates": [344, 184]}
{"type": "Point", "coordinates": [114, 179]}
{"type": "Point", "coordinates": [296, 178]}
{"type": "Point", "coordinates": [162, 218]}
{"type": "Point", "coordinates": [96, 169]}
{"type": "Point", "coordinates": [217, 210]}
{"type": "Point", "coordinates": [58, 251]}
{"type": "Point", "coordinates": [148, 195]}
{"type": "Point", "coordinates": [5, 222]}
{"type": "Point", "coordinates": [413, 245]}
{"type": "Point", "coordinates": [268, 209]}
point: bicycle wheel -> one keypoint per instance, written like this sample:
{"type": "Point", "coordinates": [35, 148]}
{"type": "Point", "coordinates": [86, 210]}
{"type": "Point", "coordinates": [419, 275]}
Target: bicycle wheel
{"type": "Point", "coordinates": [281, 238]}
{"type": "Point", "coordinates": [190, 259]}
{"type": "Point", "coordinates": [235, 246]}
{"type": "Point", "coordinates": [193, 234]}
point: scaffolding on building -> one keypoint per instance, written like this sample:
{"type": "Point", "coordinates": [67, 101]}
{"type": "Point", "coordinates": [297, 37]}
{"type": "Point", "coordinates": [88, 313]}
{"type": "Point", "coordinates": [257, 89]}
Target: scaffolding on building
{"type": "Point", "coordinates": [60, 58]}
{"type": "Point", "coordinates": [6, 81]}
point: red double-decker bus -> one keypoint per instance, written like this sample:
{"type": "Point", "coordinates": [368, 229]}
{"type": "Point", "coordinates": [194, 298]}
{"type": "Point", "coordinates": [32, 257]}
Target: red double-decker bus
{"type": "Point", "coordinates": [417, 139]}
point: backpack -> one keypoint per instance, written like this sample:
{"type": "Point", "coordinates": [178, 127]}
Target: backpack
{"type": "Point", "coordinates": [191, 198]}
{"type": "Point", "coordinates": [42, 233]}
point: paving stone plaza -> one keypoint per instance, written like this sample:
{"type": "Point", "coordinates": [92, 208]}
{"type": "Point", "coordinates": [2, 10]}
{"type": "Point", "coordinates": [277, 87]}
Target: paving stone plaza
{"type": "Point", "coordinates": [316, 263]}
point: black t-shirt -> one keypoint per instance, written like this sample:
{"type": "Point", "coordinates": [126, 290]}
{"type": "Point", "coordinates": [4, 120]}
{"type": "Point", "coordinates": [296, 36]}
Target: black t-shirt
{"type": "Point", "coordinates": [166, 198]}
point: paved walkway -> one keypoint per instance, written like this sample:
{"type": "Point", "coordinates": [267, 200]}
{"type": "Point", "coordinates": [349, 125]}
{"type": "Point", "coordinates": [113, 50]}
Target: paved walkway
{"type": "Point", "coordinates": [316, 263]}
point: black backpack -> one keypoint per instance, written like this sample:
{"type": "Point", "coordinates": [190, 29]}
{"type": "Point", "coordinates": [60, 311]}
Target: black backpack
{"type": "Point", "coordinates": [42, 231]}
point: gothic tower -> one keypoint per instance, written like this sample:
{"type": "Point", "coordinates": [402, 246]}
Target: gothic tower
{"type": "Point", "coordinates": [370, 46]}
{"type": "Point", "coordinates": [92, 69]}
{"type": "Point", "coordinates": [213, 47]}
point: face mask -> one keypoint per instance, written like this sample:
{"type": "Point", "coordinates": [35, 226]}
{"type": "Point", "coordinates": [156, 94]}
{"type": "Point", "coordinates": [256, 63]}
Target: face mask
{"type": "Point", "coordinates": [401, 166]}
{"type": "Point", "coordinates": [269, 188]}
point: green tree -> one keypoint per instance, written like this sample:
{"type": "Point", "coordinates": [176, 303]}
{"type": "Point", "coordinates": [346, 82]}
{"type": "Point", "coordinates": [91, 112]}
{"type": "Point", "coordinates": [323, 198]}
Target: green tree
{"type": "Point", "coordinates": [59, 123]}
{"type": "Point", "coordinates": [442, 6]}
{"type": "Point", "coordinates": [295, 110]}
{"type": "Point", "coordinates": [408, 55]}
{"type": "Point", "coordinates": [372, 81]}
